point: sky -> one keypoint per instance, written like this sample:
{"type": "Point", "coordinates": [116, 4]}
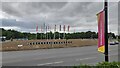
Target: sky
{"type": "Point", "coordinates": [80, 16]}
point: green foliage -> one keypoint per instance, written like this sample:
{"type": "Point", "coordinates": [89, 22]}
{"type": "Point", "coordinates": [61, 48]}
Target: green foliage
{"type": "Point", "coordinates": [115, 64]}
{"type": "Point", "coordinates": [101, 65]}
{"type": "Point", "coordinates": [78, 35]}
{"type": "Point", "coordinates": [111, 35]}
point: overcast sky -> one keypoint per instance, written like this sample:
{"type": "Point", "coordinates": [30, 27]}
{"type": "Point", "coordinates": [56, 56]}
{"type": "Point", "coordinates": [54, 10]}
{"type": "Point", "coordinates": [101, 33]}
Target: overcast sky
{"type": "Point", "coordinates": [81, 16]}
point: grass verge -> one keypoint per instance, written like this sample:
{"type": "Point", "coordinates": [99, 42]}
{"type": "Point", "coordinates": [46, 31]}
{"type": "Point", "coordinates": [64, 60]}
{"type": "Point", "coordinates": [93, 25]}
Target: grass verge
{"type": "Point", "coordinates": [101, 65]}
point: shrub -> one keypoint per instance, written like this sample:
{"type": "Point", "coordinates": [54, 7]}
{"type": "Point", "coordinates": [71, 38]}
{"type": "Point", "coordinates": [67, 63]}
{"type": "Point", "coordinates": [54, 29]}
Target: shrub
{"type": "Point", "coordinates": [101, 65]}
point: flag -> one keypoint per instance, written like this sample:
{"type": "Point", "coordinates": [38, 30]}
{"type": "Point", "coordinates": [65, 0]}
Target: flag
{"type": "Point", "coordinates": [60, 27]}
{"type": "Point", "coordinates": [55, 27]}
{"type": "Point", "coordinates": [68, 28]}
{"type": "Point", "coordinates": [101, 29]}
{"type": "Point", "coordinates": [46, 28]}
{"type": "Point", "coordinates": [64, 27]}
{"type": "Point", "coordinates": [37, 28]}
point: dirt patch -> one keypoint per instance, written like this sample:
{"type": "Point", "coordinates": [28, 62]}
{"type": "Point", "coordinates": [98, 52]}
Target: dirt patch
{"type": "Point", "coordinates": [49, 44]}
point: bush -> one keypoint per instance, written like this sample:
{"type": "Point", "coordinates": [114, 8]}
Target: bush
{"type": "Point", "coordinates": [101, 65]}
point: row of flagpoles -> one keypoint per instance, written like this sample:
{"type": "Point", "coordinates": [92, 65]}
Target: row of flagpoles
{"type": "Point", "coordinates": [47, 28]}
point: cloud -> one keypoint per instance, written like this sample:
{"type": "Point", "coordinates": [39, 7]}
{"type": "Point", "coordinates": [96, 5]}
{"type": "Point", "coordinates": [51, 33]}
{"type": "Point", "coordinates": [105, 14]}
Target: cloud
{"type": "Point", "coordinates": [26, 15]}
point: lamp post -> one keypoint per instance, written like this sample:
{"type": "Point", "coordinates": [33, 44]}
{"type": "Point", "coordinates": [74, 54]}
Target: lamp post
{"type": "Point", "coordinates": [106, 30]}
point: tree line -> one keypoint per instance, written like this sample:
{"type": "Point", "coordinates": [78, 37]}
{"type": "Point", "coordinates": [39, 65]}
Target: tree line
{"type": "Point", "coordinates": [49, 35]}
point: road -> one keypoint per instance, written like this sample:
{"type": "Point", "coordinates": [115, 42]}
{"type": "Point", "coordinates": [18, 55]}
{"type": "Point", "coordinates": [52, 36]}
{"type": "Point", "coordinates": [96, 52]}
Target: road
{"type": "Point", "coordinates": [58, 57]}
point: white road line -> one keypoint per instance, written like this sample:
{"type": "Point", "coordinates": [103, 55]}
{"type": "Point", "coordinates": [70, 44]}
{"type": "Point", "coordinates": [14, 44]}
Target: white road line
{"type": "Point", "coordinates": [50, 63]}
{"type": "Point", "coordinates": [85, 58]}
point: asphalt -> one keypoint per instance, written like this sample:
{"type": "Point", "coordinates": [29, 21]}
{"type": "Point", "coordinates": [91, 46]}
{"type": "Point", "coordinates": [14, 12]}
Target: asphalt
{"type": "Point", "coordinates": [58, 57]}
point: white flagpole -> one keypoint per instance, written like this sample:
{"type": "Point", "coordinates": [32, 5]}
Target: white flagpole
{"type": "Point", "coordinates": [54, 31]}
{"type": "Point", "coordinates": [41, 32]}
{"type": "Point", "coordinates": [59, 31]}
{"type": "Point", "coordinates": [36, 31]}
{"type": "Point", "coordinates": [49, 32]}
{"type": "Point", "coordinates": [64, 32]}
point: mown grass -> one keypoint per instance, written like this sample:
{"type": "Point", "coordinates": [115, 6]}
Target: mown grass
{"type": "Point", "coordinates": [100, 65]}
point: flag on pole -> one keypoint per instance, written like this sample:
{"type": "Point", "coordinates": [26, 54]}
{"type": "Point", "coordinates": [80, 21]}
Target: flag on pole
{"type": "Point", "coordinates": [37, 28]}
{"type": "Point", "coordinates": [60, 27]}
{"type": "Point", "coordinates": [64, 32]}
{"type": "Point", "coordinates": [46, 29]}
{"type": "Point", "coordinates": [36, 31]}
{"type": "Point", "coordinates": [68, 28]}
{"type": "Point", "coordinates": [59, 32]}
{"type": "Point", "coordinates": [55, 28]}
{"type": "Point", "coordinates": [101, 29]}
{"type": "Point", "coordinates": [54, 31]}
{"type": "Point", "coordinates": [64, 27]}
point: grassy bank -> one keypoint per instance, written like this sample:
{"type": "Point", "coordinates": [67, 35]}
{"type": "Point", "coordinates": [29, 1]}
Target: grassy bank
{"type": "Point", "coordinates": [101, 65]}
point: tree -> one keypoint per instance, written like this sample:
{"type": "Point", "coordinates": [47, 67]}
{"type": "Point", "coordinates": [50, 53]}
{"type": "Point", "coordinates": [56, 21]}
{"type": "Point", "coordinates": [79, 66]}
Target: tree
{"type": "Point", "coordinates": [78, 35]}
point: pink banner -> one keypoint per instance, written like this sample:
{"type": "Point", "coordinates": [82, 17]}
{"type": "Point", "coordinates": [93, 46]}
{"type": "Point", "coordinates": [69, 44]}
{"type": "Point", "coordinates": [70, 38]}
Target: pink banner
{"type": "Point", "coordinates": [101, 33]}
{"type": "Point", "coordinates": [37, 28]}
{"type": "Point", "coordinates": [68, 28]}
{"type": "Point", "coordinates": [64, 27]}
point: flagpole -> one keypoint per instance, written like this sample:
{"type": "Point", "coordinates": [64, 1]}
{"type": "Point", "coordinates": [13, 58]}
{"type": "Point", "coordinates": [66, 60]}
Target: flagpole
{"type": "Point", "coordinates": [106, 30]}
{"type": "Point", "coordinates": [41, 35]}
{"type": "Point", "coordinates": [45, 28]}
{"type": "Point", "coordinates": [59, 35]}
{"type": "Point", "coordinates": [64, 35]}
{"type": "Point", "coordinates": [68, 29]}
{"type": "Point", "coordinates": [36, 35]}
{"type": "Point", "coordinates": [59, 31]}
{"type": "Point", "coordinates": [36, 31]}
{"type": "Point", "coordinates": [41, 32]}
{"type": "Point", "coordinates": [64, 32]}
{"type": "Point", "coordinates": [54, 31]}
{"type": "Point", "coordinates": [47, 32]}
{"type": "Point", "coordinates": [54, 34]}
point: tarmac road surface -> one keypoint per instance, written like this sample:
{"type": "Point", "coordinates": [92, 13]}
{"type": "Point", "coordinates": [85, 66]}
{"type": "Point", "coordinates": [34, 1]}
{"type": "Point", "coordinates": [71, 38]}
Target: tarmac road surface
{"type": "Point", "coordinates": [58, 57]}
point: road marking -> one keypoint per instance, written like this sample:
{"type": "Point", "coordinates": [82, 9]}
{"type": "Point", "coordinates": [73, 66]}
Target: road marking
{"type": "Point", "coordinates": [85, 58]}
{"type": "Point", "coordinates": [50, 63]}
